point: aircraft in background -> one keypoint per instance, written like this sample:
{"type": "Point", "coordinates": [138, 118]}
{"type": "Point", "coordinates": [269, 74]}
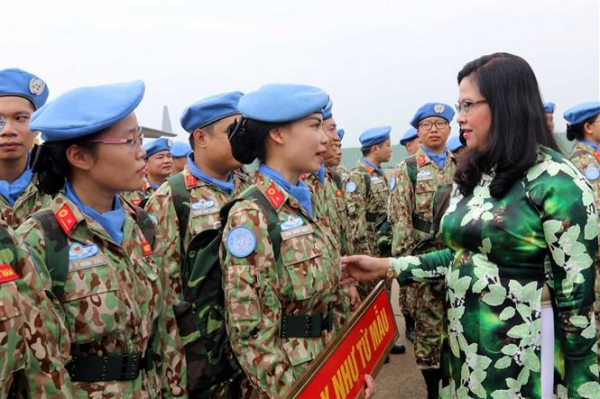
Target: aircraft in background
{"type": "Point", "coordinates": [166, 130]}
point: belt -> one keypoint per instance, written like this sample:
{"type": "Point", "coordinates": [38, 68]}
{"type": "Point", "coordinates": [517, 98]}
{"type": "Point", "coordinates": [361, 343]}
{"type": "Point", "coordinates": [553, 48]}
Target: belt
{"type": "Point", "coordinates": [306, 326]}
{"type": "Point", "coordinates": [86, 368]}
{"type": "Point", "coordinates": [374, 217]}
{"type": "Point", "coordinates": [421, 224]}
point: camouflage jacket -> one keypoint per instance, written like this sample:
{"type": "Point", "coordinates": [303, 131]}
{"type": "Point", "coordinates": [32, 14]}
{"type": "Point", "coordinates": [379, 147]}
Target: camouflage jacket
{"type": "Point", "coordinates": [342, 171]}
{"type": "Point", "coordinates": [587, 160]}
{"type": "Point", "coordinates": [259, 290]}
{"type": "Point", "coordinates": [207, 200]}
{"type": "Point", "coordinates": [365, 209]}
{"type": "Point", "coordinates": [115, 302]}
{"type": "Point", "coordinates": [137, 196]}
{"type": "Point", "coordinates": [30, 201]}
{"type": "Point", "coordinates": [30, 352]}
{"type": "Point", "coordinates": [405, 199]}
{"type": "Point", "coordinates": [330, 207]}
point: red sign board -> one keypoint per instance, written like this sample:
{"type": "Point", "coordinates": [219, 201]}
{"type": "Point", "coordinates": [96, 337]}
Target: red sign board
{"type": "Point", "coordinates": [361, 348]}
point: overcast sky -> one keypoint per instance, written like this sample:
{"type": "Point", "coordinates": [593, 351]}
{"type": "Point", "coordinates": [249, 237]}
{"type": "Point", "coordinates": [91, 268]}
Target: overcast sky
{"type": "Point", "coordinates": [378, 60]}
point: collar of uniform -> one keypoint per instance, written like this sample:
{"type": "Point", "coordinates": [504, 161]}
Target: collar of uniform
{"type": "Point", "coordinates": [146, 185]}
{"type": "Point", "coordinates": [583, 146]}
{"type": "Point", "coordinates": [276, 195]}
{"type": "Point", "coordinates": [192, 181]}
{"type": "Point", "coordinates": [368, 167]}
{"type": "Point", "coordinates": [423, 159]}
{"type": "Point", "coordinates": [29, 191]}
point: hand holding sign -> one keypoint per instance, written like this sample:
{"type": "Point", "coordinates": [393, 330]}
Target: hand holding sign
{"type": "Point", "coordinates": [363, 268]}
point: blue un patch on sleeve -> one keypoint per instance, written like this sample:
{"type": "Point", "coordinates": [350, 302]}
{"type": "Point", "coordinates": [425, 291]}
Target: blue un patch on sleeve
{"type": "Point", "coordinates": [240, 242]}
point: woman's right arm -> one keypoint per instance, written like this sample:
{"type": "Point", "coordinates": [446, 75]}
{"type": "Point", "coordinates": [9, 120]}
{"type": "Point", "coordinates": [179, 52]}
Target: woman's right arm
{"type": "Point", "coordinates": [252, 304]}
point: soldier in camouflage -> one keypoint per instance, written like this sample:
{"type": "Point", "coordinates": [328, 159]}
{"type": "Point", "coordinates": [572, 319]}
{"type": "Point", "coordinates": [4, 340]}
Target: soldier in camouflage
{"type": "Point", "coordinates": [21, 93]}
{"type": "Point", "coordinates": [410, 216]}
{"type": "Point", "coordinates": [95, 251]}
{"type": "Point", "coordinates": [367, 194]}
{"type": "Point", "coordinates": [211, 179]}
{"type": "Point", "coordinates": [30, 354]}
{"type": "Point", "coordinates": [159, 164]}
{"type": "Point", "coordinates": [280, 267]}
{"type": "Point", "coordinates": [584, 127]}
{"type": "Point", "coordinates": [337, 163]}
{"type": "Point", "coordinates": [330, 203]}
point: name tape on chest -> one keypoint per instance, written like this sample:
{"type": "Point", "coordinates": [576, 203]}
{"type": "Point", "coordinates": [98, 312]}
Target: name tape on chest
{"type": "Point", "coordinates": [296, 232]}
{"type": "Point", "coordinates": [424, 175]}
{"type": "Point", "coordinates": [83, 256]}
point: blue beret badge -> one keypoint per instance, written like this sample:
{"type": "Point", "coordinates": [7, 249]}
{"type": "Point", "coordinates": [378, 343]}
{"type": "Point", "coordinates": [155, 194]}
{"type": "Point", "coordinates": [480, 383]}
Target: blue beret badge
{"type": "Point", "coordinates": [350, 187]}
{"type": "Point", "coordinates": [592, 173]}
{"type": "Point", "coordinates": [79, 251]}
{"type": "Point", "coordinates": [290, 222]}
{"type": "Point", "coordinates": [240, 242]}
{"type": "Point", "coordinates": [392, 183]}
{"type": "Point", "coordinates": [36, 86]}
{"type": "Point", "coordinates": [439, 108]}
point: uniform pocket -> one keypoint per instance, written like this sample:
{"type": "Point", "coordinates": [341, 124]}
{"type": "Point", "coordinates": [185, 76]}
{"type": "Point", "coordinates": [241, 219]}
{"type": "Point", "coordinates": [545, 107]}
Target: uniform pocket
{"type": "Point", "coordinates": [91, 303]}
{"type": "Point", "coordinates": [423, 200]}
{"type": "Point", "coordinates": [299, 255]}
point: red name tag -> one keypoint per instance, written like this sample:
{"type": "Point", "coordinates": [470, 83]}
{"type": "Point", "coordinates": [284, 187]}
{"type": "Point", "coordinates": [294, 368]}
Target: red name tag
{"type": "Point", "coordinates": [360, 348]}
{"type": "Point", "coordinates": [7, 274]}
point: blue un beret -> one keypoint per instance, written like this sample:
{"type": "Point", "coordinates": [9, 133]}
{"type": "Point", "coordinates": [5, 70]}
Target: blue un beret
{"type": "Point", "coordinates": [375, 136]}
{"type": "Point", "coordinates": [180, 149]}
{"type": "Point", "coordinates": [158, 145]}
{"type": "Point", "coordinates": [210, 110]}
{"type": "Point", "coordinates": [432, 109]}
{"type": "Point", "coordinates": [340, 133]}
{"type": "Point", "coordinates": [582, 112]}
{"type": "Point", "coordinates": [327, 113]}
{"type": "Point", "coordinates": [19, 83]}
{"type": "Point", "coordinates": [86, 110]}
{"type": "Point", "coordinates": [549, 108]}
{"type": "Point", "coordinates": [454, 143]}
{"type": "Point", "coordinates": [410, 135]}
{"type": "Point", "coordinates": [275, 103]}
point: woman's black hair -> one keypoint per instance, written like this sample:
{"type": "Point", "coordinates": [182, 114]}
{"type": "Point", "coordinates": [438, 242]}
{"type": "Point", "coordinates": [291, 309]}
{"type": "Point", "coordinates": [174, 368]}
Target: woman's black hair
{"type": "Point", "coordinates": [518, 123]}
{"type": "Point", "coordinates": [575, 132]}
{"type": "Point", "coordinates": [247, 138]}
{"type": "Point", "coordinates": [51, 165]}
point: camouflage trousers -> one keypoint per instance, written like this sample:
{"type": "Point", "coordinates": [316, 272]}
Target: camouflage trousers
{"type": "Point", "coordinates": [406, 298]}
{"type": "Point", "coordinates": [428, 312]}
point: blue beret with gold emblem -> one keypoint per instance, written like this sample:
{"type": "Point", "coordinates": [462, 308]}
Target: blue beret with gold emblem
{"type": "Point", "coordinates": [19, 83]}
{"type": "Point", "coordinates": [374, 136]}
{"type": "Point", "coordinates": [210, 110]}
{"type": "Point", "coordinates": [158, 145]}
{"type": "Point", "coordinates": [582, 112]}
{"type": "Point", "coordinates": [281, 102]}
{"type": "Point", "coordinates": [432, 109]}
{"type": "Point", "coordinates": [86, 110]}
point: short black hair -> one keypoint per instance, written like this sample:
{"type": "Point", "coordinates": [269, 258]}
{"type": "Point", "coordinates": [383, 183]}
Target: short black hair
{"type": "Point", "coordinates": [575, 132]}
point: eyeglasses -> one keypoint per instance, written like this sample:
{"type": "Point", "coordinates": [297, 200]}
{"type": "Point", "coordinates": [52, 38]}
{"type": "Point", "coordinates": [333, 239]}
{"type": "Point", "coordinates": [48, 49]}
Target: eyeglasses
{"type": "Point", "coordinates": [466, 106]}
{"type": "Point", "coordinates": [428, 125]}
{"type": "Point", "coordinates": [133, 143]}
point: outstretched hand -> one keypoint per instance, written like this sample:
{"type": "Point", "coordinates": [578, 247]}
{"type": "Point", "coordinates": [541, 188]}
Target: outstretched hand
{"type": "Point", "coordinates": [363, 268]}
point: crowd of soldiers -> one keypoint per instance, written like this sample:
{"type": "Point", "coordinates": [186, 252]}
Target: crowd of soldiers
{"type": "Point", "coordinates": [132, 313]}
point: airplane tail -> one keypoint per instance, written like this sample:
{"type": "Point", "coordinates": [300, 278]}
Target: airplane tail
{"type": "Point", "coordinates": [166, 120]}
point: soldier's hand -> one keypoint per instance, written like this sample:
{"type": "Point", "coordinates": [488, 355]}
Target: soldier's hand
{"type": "Point", "coordinates": [354, 297]}
{"type": "Point", "coordinates": [363, 268]}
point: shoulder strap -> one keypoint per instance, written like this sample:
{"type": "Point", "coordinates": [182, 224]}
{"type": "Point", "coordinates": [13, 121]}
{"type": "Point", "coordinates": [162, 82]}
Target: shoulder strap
{"type": "Point", "coordinates": [181, 202]}
{"type": "Point", "coordinates": [411, 168]}
{"type": "Point", "coordinates": [367, 177]}
{"type": "Point", "coordinates": [57, 250]}
{"type": "Point", "coordinates": [336, 178]}
{"type": "Point", "coordinates": [145, 224]}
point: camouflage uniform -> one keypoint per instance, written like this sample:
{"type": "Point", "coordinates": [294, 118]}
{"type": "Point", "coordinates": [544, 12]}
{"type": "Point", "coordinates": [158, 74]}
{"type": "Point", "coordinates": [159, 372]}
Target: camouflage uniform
{"type": "Point", "coordinates": [260, 290]}
{"type": "Point", "coordinates": [161, 206]}
{"type": "Point", "coordinates": [405, 201]}
{"type": "Point", "coordinates": [583, 157]}
{"type": "Point", "coordinates": [136, 197]}
{"type": "Point", "coordinates": [31, 200]}
{"type": "Point", "coordinates": [30, 353]}
{"type": "Point", "coordinates": [342, 171]}
{"type": "Point", "coordinates": [114, 302]}
{"type": "Point", "coordinates": [365, 210]}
